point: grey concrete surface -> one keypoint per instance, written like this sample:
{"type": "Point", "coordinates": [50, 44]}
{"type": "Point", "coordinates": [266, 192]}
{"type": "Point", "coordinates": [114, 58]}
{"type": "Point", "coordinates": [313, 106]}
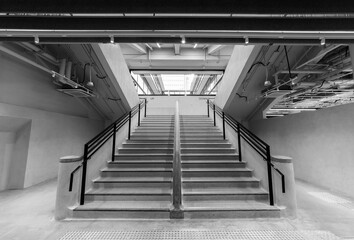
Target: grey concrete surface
{"type": "Point", "coordinates": [29, 214]}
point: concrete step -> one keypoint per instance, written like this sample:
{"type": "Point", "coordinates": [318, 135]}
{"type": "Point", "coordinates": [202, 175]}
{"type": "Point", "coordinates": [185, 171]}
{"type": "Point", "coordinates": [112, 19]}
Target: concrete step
{"type": "Point", "coordinates": [152, 156]}
{"type": "Point", "coordinates": [162, 134]}
{"type": "Point", "coordinates": [204, 140]}
{"type": "Point", "coordinates": [144, 150]}
{"type": "Point", "coordinates": [216, 172]}
{"type": "Point", "coordinates": [124, 210]}
{"type": "Point", "coordinates": [136, 172]}
{"type": "Point", "coordinates": [224, 194]}
{"type": "Point", "coordinates": [149, 130]}
{"type": "Point", "coordinates": [207, 150]}
{"type": "Point", "coordinates": [229, 209]}
{"type": "Point", "coordinates": [150, 137]}
{"type": "Point", "coordinates": [213, 164]}
{"type": "Point", "coordinates": [147, 145]}
{"type": "Point", "coordinates": [129, 194]}
{"type": "Point", "coordinates": [141, 164]}
{"type": "Point", "coordinates": [150, 141]}
{"type": "Point", "coordinates": [205, 145]}
{"type": "Point", "coordinates": [202, 136]}
{"type": "Point", "coordinates": [209, 156]}
{"type": "Point", "coordinates": [220, 182]}
{"type": "Point", "coordinates": [118, 182]}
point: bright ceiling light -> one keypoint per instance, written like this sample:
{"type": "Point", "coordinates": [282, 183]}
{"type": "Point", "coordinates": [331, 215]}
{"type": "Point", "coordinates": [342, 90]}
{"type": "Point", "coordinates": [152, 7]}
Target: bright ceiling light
{"type": "Point", "coordinates": [323, 41]}
{"type": "Point", "coordinates": [195, 45]}
{"type": "Point", "coordinates": [183, 40]}
{"type": "Point", "coordinates": [36, 39]}
{"type": "Point", "coordinates": [267, 83]}
{"type": "Point", "coordinates": [293, 109]}
{"type": "Point", "coordinates": [247, 41]}
{"type": "Point", "coordinates": [112, 39]}
{"type": "Point", "coordinates": [159, 46]}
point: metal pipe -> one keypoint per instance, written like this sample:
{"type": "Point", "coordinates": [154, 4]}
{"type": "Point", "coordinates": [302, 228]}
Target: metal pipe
{"type": "Point", "coordinates": [40, 52]}
{"type": "Point", "coordinates": [214, 115]}
{"type": "Point", "coordinates": [83, 176]}
{"type": "Point", "coordinates": [239, 143]}
{"type": "Point", "coordinates": [223, 125]}
{"type": "Point", "coordinates": [130, 123]}
{"type": "Point", "coordinates": [270, 178]}
{"type": "Point", "coordinates": [114, 141]}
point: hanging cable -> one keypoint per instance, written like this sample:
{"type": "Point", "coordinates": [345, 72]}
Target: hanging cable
{"type": "Point", "coordinates": [287, 60]}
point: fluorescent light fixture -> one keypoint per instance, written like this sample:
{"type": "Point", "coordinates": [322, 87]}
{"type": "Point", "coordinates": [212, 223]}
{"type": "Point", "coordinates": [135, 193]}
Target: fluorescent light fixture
{"type": "Point", "coordinates": [195, 45]}
{"type": "Point", "coordinates": [275, 115]}
{"type": "Point", "coordinates": [159, 46]}
{"type": "Point", "coordinates": [112, 39]}
{"type": "Point", "coordinates": [293, 109]}
{"type": "Point", "coordinates": [247, 41]}
{"type": "Point", "coordinates": [183, 40]}
{"type": "Point", "coordinates": [36, 39]}
{"type": "Point", "coordinates": [323, 41]}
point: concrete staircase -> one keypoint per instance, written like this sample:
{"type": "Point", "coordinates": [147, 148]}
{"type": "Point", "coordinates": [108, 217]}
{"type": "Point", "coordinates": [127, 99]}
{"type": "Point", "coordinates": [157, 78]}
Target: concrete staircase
{"type": "Point", "coordinates": [138, 184]}
{"type": "Point", "coordinates": [214, 183]}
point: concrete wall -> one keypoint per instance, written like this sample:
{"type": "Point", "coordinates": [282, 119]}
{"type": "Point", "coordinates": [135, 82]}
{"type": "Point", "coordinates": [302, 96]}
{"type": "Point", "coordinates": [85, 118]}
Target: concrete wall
{"type": "Point", "coordinates": [320, 143]}
{"type": "Point", "coordinates": [56, 124]}
{"type": "Point", "coordinates": [241, 59]}
{"type": "Point", "coordinates": [165, 105]}
{"type": "Point", "coordinates": [112, 60]}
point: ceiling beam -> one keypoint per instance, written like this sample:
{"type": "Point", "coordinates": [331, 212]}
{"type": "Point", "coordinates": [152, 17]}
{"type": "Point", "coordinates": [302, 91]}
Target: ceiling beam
{"type": "Point", "coordinates": [178, 23]}
{"type": "Point", "coordinates": [178, 6]}
{"type": "Point", "coordinates": [177, 49]}
{"type": "Point", "coordinates": [137, 47]}
{"type": "Point", "coordinates": [214, 48]}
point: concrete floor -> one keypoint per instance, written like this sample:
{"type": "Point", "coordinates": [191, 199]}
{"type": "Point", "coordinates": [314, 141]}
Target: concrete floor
{"type": "Point", "coordinates": [28, 214]}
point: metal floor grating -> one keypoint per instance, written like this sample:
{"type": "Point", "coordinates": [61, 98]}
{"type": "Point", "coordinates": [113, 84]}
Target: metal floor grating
{"type": "Point", "coordinates": [330, 198]}
{"type": "Point", "coordinates": [200, 235]}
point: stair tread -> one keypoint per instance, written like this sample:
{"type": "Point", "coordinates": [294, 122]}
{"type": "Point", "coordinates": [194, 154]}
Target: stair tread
{"type": "Point", "coordinates": [140, 161]}
{"type": "Point", "coordinates": [205, 148]}
{"type": "Point", "coordinates": [124, 205]}
{"type": "Point", "coordinates": [143, 154]}
{"type": "Point", "coordinates": [137, 170]}
{"type": "Point", "coordinates": [219, 179]}
{"type": "Point", "coordinates": [211, 161]}
{"type": "Point", "coordinates": [224, 191]}
{"type": "Point", "coordinates": [216, 169]}
{"type": "Point", "coordinates": [209, 154]}
{"type": "Point", "coordinates": [133, 179]}
{"type": "Point", "coordinates": [227, 205]}
{"type": "Point", "coordinates": [130, 191]}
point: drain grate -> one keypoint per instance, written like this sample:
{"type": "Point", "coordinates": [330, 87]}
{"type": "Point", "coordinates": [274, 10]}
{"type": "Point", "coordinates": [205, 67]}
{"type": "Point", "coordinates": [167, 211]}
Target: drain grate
{"type": "Point", "coordinates": [199, 235]}
{"type": "Point", "coordinates": [330, 198]}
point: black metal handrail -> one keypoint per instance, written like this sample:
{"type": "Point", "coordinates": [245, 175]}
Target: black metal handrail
{"type": "Point", "coordinates": [262, 148]}
{"type": "Point", "coordinates": [92, 146]}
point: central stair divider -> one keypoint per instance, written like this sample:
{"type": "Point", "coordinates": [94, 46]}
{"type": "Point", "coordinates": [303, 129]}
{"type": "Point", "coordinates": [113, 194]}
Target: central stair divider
{"type": "Point", "coordinates": [177, 211]}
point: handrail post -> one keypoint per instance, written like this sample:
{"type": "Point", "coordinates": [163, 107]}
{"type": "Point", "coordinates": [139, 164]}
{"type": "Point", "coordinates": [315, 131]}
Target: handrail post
{"type": "Point", "coordinates": [145, 107]}
{"type": "Point", "coordinates": [239, 143]}
{"type": "Point", "coordinates": [208, 107]}
{"type": "Point", "coordinates": [83, 176]}
{"type": "Point", "coordinates": [130, 123]}
{"type": "Point", "coordinates": [139, 115]}
{"type": "Point", "coordinates": [114, 141]}
{"type": "Point", "coordinates": [270, 180]}
{"type": "Point", "coordinates": [176, 211]}
{"type": "Point", "coordinates": [214, 115]}
{"type": "Point", "coordinates": [223, 124]}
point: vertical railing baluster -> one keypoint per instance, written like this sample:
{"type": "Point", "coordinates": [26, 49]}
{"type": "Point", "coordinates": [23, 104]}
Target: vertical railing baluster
{"type": "Point", "coordinates": [130, 123]}
{"type": "Point", "coordinates": [139, 116]}
{"type": "Point", "coordinates": [145, 108]}
{"type": "Point", "coordinates": [83, 176]}
{"type": "Point", "coordinates": [208, 107]}
{"type": "Point", "coordinates": [270, 179]}
{"type": "Point", "coordinates": [239, 143]}
{"type": "Point", "coordinates": [214, 115]}
{"type": "Point", "coordinates": [114, 141]}
{"type": "Point", "coordinates": [223, 125]}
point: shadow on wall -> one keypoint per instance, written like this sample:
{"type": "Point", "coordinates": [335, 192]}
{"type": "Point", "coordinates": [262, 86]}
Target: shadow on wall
{"type": "Point", "coordinates": [14, 144]}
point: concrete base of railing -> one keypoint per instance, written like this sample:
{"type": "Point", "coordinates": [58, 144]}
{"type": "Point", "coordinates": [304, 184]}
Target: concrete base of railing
{"type": "Point", "coordinates": [65, 200]}
{"type": "Point", "coordinates": [285, 200]}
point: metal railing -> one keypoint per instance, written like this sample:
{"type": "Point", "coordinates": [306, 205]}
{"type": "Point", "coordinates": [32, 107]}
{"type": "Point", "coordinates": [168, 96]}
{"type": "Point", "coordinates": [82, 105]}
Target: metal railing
{"type": "Point", "coordinates": [255, 142]}
{"type": "Point", "coordinates": [92, 146]}
{"type": "Point", "coordinates": [177, 174]}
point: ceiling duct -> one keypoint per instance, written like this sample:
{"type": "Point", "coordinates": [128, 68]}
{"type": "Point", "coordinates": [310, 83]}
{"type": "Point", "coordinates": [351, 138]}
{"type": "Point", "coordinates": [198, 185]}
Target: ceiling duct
{"type": "Point", "coordinates": [77, 92]}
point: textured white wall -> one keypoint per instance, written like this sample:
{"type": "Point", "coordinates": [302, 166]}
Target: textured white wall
{"type": "Point", "coordinates": [58, 124]}
{"type": "Point", "coordinates": [320, 143]}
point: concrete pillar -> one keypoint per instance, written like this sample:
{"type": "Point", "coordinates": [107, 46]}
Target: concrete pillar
{"type": "Point", "coordinates": [286, 200]}
{"type": "Point", "coordinates": [65, 199]}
